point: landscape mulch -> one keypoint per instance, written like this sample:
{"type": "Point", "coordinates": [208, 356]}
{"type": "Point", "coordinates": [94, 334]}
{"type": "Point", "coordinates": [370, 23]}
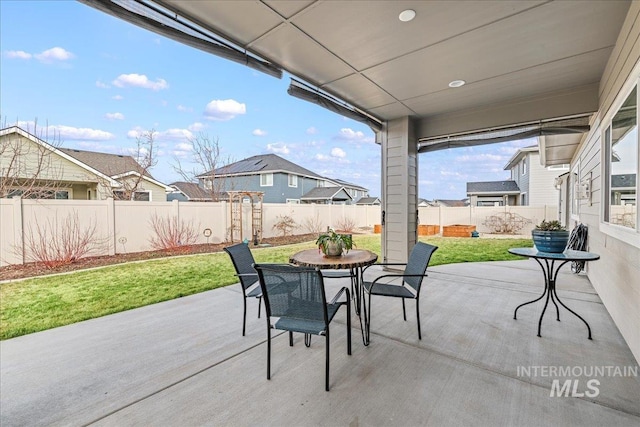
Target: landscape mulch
{"type": "Point", "coordinates": [13, 272]}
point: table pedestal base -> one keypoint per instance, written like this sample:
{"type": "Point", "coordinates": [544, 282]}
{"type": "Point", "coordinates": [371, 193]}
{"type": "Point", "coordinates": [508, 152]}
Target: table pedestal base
{"type": "Point", "coordinates": [550, 276]}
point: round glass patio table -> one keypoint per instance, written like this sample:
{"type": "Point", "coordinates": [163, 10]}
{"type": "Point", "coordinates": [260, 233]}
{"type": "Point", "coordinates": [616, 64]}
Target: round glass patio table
{"type": "Point", "coordinates": [547, 262]}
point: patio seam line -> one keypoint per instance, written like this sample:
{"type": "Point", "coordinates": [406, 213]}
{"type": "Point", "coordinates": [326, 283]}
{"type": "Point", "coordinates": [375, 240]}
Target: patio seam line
{"type": "Point", "coordinates": [490, 370]}
{"type": "Point", "coordinates": [536, 291]}
{"type": "Point", "coordinates": [168, 386]}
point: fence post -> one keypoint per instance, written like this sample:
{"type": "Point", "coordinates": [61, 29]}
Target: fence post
{"type": "Point", "coordinates": [111, 225]}
{"type": "Point", "coordinates": [18, 230]}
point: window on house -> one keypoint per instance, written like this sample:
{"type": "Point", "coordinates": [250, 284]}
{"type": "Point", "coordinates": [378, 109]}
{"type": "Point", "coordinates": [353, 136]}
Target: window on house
{"type": "Point", "coordinates": [266, 180]}
{"type": "Point", "coordinates": [524, 166]}
{"type": "Point", "coordinates": [320, 184]}
{"type": "Point", "coordinates": [138, 196]}
{"type": "Point", "coordinates": [40, 194]}
{"type": "Point", "coordinates": [621, 164]}
{"type": "Point", "coordinates": [293, 201]}
{"type": "Point", "coordinates": [293, 180]}
{"type": "Point", "coordinates": [523, 199]}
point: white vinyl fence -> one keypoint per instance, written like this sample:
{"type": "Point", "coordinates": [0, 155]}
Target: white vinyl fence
{"type": "Point", "coordinates": [126, 226]}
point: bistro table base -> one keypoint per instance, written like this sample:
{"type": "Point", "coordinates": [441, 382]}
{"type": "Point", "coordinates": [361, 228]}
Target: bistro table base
{"type": "Point", "coordinates": [550, 272]}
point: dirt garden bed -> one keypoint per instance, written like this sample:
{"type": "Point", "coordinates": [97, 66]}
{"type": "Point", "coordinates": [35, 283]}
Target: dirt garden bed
{"type": "Point", "coordinates": [13, 272]}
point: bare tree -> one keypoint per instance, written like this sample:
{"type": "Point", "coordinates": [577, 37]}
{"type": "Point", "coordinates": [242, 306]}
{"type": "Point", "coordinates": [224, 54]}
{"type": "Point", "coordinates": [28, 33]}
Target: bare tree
{"type": "Point", "coordinates": [145, 158]}
{"type": "Point", "coordinates": [205, 159]}
{"type": "Point", "coordinates": [27, 168]}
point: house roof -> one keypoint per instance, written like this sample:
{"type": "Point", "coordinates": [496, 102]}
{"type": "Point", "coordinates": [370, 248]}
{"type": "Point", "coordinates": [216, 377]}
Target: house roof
{"type": "Point", "coordinates": [492, 187]}
{"type": "Point", "coordinates": [108, 164]}
{"type": "Point", "coordinates": [347, 184]}
{"type": "Point", "coordinates": [452, 203]}
{"type": "Point", "coordinates": [518, 155]}
{"type": "Point", "coordinates": [190, 189]}
{"type": "Point", "coordinates": [56, 150]}
{"type": "Point", "coordinates": [326, 193]}
{"type": "Point", "coordinates": [368, 201]}
{"type": "Point", "coordinates": [260, 164]}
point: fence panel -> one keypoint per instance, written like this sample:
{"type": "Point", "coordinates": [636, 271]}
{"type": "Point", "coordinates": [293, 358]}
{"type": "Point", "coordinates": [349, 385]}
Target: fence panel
{"type": "Point", "coordinates": [127, 225]}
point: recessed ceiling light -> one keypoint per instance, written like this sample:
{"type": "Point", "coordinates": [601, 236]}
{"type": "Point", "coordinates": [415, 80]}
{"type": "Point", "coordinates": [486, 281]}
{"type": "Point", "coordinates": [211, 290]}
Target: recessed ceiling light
{"type": "Point", "coordinates": [407, 15]}
{"type": "Point", "coordinates": [457, 83]}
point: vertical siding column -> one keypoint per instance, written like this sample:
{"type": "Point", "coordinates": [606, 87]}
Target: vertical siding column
{"type": "Point", "coordinates": [399, 189]}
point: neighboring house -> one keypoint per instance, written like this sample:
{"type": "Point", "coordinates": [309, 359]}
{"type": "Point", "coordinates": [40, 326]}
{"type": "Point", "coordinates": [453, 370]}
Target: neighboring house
{"type": "Point", "coordinates": [531, 184]}
{"type": "Point", "coordinates": [188, 192]}
{"type": "Point", "coordinates": [65, 173]}
{"type": "Point", "coordinates": [372, 201]}
{"type": "Point", "coordinates": [281, 181]}
{"type": "Point", "coordinates": [493, 193]}
{"type": "Point", "coordinates": [451, 203]}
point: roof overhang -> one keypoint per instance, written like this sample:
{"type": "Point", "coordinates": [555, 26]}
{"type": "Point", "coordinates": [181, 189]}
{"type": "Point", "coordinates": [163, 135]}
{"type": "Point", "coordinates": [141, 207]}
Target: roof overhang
{"type": "Point", "coordinates": [523, 61]}
{"type": "Point", "coordinates": [144, 177]}
{"type": "Point", "coordinates": [558, 149]}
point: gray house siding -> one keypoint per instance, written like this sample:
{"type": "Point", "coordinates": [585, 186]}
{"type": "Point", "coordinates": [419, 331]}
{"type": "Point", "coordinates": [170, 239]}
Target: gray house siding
{"type": "Point", "coordinates": [279, 192]}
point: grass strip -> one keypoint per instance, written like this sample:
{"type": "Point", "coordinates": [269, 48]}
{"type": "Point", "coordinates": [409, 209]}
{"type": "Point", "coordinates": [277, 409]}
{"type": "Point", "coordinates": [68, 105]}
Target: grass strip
{"type": "Point", "coordinates": [47, 302]}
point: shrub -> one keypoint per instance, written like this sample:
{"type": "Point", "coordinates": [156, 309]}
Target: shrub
{"type": "Point", "coordinates": [312, 225]}
{"type": "Point", "coordinates": [285, 224]}
{"type": "Point", "coordinates": [172, 233]}
{"type": "Point", "coordinates": [346, 224]}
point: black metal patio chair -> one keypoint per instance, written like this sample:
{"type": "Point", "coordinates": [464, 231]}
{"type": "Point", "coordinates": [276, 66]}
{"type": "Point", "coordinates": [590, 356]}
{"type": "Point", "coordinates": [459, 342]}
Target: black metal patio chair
{"type": "Point", "coordinates": [295, 301]}
{"type": "Point", "coordinates": [409, 288]}
{"type": "Point", "coordinates": [243, 261]}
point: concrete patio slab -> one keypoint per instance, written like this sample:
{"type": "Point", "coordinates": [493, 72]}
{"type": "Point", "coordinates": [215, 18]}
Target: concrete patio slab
{"type": "Point", "coordinates": [184, 362]}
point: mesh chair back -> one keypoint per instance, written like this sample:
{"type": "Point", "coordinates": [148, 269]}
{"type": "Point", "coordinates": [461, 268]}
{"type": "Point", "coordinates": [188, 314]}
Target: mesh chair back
{"type": "Point", "coordinates": [417, 264]}
{"type": "Point", "coordinates": [292, 293]}
{"type": "Point", "coordinates": [243, 261]}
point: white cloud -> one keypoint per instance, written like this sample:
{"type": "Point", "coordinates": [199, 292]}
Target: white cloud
{"type": "Point", "coordinates": [322, 157]}
{"type": "Point", "coordinates": [169, 135]}
{"type": "Point", "coordinates": [48, 56]}
{"type": "Point", "coordinates": [348, 134]}
{"type": "Point", "coordinates": [140, 80]}
{"type": "Point", "coordinates": [73, 133]}
{"type": "Point", "coordinates": [259, 132]}
{"type": "Point", "coordinates": [184, 109]}
{"type": "Point", "coordinates": [102, 85]}
{"type": "Point", "coordinates": [196, 127]}
{"type": "Point", "coordinates": [96, 146]}
{"type": "Point", "coordinates": [114, 116]}
{"type": "Point", "coordinates": [476, 158]}
{"type": "Point", "coordinates": [17, 54]}
{"type": "Point", "coordinates": [118, 97]}
{"type": "Point", "coordinates": [312, 131]}
{"type": "Point", "coordinates": [278, 148]}
{"type": "Point", "coordinates": [54, 54]}
{"type": "Point", "coordinates": [338, 152]}
{"type": "Point", "coordinates": [223, 110]}
{"type": "Point", "coordinates": [182, 150]}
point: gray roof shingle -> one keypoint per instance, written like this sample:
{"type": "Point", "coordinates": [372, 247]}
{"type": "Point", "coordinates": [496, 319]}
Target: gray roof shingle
{"type": "Point", "coordinates": [492, 187]}
{"type": "Point", "coordinates": [260, 164]}
{"type": "Point", "coordinates": [192, 190]}
{"type": "Point", "coordinates": [326, 193]}
{"type": "Point", "coordinates": [108, 164]}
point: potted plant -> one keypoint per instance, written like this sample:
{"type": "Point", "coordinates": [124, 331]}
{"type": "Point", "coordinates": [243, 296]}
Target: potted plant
{"type": "Point", "coordinates": [550, 236]}
{"type": "Point", "coordinates": [334, 244]}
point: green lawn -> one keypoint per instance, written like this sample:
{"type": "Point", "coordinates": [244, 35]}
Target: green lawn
{"type": "Point", "coordinates": [47, 302]}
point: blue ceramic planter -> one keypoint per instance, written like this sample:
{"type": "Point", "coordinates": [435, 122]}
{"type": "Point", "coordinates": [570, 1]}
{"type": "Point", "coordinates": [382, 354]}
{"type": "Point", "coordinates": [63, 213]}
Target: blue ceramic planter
{"type": "Point", "coordinates": [550, 241]}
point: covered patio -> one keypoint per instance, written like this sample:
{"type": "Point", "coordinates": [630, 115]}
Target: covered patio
{"type": "Point", "coordinates": [184, 362]}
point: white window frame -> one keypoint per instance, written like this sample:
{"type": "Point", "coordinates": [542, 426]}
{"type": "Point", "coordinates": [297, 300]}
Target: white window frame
{"type": "Point", "coordinates": [293, 180]}
{"type": "Point", "coordinates": [624, 234]}
{"type": "Point", "coordinates": [524, 166]}
{"type": "Point", "coordinates": [266, 180]}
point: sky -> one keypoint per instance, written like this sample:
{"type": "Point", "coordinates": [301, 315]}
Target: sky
{"type": "Point", "coordinates": [96, 83]}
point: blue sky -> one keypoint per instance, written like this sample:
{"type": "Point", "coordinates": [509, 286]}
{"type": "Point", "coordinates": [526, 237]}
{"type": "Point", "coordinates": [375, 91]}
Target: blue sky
{"type": "Point", "coordinates": [98, 81]}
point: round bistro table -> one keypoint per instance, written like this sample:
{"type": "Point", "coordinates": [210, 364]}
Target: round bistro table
{"type": "Point", "coordinates": [550, 271]}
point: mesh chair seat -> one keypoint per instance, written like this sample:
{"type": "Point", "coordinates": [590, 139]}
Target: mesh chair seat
{"type": "Point", "coordinates": [255, 292]}
{"type": "Point", "coordinates": [389, 290]}
{"type": "Point", "coordinates": [307, 326]}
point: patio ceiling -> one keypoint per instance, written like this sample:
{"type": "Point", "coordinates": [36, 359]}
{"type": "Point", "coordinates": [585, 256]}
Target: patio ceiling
{"type": "Point", "coordinates": [522, 61]}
